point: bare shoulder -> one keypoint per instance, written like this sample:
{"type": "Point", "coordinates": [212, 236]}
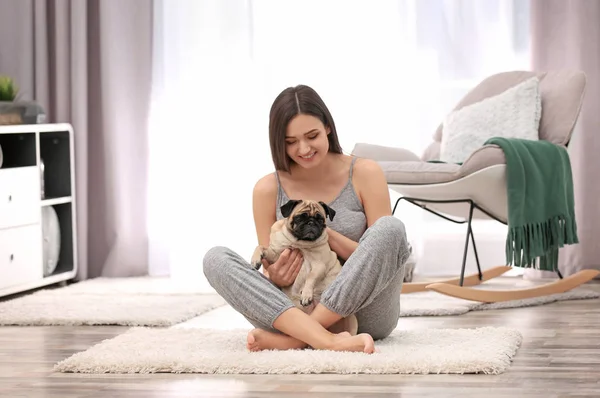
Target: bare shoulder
{"type": "Point", "coordinates": [264, 197]}
{"type": "Point", "coordinates": [371, 186]}
{"type": "Point", "coordinates": [266, 186]}
{"type": "Point", "coordinates": [367, 169]}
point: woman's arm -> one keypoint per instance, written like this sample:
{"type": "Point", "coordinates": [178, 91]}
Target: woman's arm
{"type": "Point", "coordinates": [283, 272]}
{"type": "Point", "coordinates": [371, 186]}
{"type": "Point", "coordinates": [340, 244]}
{"type": "Point", "coordinates": [264, 197]}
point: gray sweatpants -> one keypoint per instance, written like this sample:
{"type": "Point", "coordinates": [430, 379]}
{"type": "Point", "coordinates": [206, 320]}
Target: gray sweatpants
{"type": "Point", "coordinates": [369, 284]}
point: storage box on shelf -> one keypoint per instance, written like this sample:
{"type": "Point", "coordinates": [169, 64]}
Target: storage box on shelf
{"type": "Point", "coordinates": [38, 237]}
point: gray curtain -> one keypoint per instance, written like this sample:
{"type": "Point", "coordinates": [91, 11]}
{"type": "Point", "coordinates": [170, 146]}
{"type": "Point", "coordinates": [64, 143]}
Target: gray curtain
{"type": "Point", "coordinates": [89, 63]}
{"type": "Point", "coordinates": [566, 34]}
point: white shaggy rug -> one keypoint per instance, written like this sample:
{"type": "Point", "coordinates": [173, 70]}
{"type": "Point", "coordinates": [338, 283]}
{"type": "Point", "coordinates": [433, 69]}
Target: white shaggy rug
{"type": "Point", "coordinates": [436, 304]}
{"type": "Point", "coordinates": [487, 350]}
{"type": "Point", "coordinates": [140, 301]}
{"type": "Point", "coordinates": [155, 301]}
{"type": "Point", "coordinates": [132, 285]}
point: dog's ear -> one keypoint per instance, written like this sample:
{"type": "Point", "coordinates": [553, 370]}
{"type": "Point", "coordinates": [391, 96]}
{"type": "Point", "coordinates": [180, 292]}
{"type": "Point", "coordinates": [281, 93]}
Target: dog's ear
{"type": "Point", "coordinates": [287, 208]}
{"type": "Point", "coordinates": [329, 212]}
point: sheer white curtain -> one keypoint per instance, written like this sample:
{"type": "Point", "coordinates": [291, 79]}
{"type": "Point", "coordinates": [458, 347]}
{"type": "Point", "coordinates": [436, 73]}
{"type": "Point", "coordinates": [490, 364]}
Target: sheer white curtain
{"type": "Point", "coordinates": [388, 69]}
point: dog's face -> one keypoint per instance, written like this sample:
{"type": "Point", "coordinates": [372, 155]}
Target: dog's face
{"type": "Point", "coordinates": [306, 219]}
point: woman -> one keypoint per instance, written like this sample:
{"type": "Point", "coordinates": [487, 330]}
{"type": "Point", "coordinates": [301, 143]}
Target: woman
{"type": "Point", "coordinates": [370, 242]}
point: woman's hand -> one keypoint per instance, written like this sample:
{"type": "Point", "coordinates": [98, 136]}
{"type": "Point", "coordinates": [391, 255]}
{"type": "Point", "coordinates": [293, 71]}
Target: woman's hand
{"type": "Point", "coordinates": [284, 271]}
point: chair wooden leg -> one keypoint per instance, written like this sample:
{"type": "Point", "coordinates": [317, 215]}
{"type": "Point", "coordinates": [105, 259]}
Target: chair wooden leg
{"type": "Point", "coordinates": [470, 280]}
{"type": "Point", "coordinates": [494, 296]}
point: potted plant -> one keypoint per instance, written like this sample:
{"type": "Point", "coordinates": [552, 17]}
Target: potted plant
{"type": "Point", "coordinates": [8, 95]}
{"type": "Point", "coordinates": [14, 110]}
{"type": "Point", "coordinates": [8, 89]}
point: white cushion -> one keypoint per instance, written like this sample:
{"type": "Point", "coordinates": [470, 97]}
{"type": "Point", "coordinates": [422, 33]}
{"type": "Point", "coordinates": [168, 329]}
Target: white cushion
{"type": "Point", "coordinates": [515, 113]}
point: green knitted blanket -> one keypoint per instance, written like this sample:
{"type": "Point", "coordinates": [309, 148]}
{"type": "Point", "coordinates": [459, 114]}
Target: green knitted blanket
{"type": "Point", "coordinates": [541, 211]}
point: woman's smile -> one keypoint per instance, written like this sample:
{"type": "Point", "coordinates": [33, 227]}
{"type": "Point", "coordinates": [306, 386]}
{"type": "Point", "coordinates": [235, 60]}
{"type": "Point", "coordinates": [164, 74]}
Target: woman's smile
{"type": "Point", "coordinates": [308, 157]}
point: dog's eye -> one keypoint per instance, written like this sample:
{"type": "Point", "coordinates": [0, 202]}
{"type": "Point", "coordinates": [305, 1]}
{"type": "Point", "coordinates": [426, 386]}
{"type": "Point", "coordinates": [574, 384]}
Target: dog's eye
{"type": "Point", "coordinates": [302, 217]}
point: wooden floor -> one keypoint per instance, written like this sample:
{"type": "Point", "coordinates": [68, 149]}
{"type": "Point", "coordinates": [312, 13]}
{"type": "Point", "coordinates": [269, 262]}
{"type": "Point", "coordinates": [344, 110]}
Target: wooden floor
{"type": "Point", "coordinates": [560, 357]}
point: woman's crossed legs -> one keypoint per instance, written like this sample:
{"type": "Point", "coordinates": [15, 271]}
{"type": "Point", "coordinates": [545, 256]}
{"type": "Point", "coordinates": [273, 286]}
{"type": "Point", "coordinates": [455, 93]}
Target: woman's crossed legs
{"type": "Point", "coordinates": [369, 286]}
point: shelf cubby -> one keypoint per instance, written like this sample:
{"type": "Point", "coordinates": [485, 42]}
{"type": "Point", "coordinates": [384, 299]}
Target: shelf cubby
{"type": "Point", "coordinates": [65, 220]}
{"type": "Point", "coordinates": [18, 150]}
{"type": "Point", "coordinates": [54, 153]}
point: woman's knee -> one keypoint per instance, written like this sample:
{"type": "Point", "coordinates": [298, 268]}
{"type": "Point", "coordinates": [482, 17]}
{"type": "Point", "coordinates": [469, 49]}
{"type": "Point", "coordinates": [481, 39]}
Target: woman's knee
{"type": "Point", "coordinates": [391, 228]}
{"type": "Point", "coordinates": [392, 233]}
{"type": "Point", "coordinates": [214, 262]}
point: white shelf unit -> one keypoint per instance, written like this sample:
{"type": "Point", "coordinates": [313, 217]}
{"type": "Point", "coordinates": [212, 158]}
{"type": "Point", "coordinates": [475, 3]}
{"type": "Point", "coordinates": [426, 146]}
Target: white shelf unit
{"type": "Point", "coordinates": [21, 204]}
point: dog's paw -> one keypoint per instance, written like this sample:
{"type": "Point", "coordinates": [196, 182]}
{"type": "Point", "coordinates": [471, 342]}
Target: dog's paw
{"type": "Point", "coordinates": [306, 299]}
{"type": "Point", "coordinates": [256, 261]}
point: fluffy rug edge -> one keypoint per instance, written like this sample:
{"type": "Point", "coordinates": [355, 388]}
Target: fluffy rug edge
{"type": "Point", "coordinates": [503, 356]}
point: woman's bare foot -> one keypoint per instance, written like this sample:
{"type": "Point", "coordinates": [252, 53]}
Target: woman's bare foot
{"type": "Point", "coordinates": [259, 340]}
{"type": "Point", "coordinates": [360, 343]}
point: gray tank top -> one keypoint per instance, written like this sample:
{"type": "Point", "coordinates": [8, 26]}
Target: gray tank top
{"type": "Point", "coordinates": [350, 219]}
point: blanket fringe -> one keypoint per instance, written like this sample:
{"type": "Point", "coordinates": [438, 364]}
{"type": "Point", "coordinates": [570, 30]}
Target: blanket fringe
{"type": "Point", "coordinates": [526, 243]}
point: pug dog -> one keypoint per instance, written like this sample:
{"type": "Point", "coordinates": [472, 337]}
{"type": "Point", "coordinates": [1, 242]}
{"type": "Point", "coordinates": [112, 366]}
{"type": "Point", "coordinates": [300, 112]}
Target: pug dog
{"type": "Point", "coordinates": [304, 227]}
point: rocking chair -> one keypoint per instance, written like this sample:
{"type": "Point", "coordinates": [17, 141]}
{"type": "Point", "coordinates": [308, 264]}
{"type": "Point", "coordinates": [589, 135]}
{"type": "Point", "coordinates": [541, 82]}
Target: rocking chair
{"type": "Point", "coordinates": [477, 188]}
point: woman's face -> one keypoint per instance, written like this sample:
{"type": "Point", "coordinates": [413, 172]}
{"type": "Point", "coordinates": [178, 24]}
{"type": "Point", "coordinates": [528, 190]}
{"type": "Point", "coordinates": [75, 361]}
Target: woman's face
{"type": "Point", "coordinates": [306, 141]}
